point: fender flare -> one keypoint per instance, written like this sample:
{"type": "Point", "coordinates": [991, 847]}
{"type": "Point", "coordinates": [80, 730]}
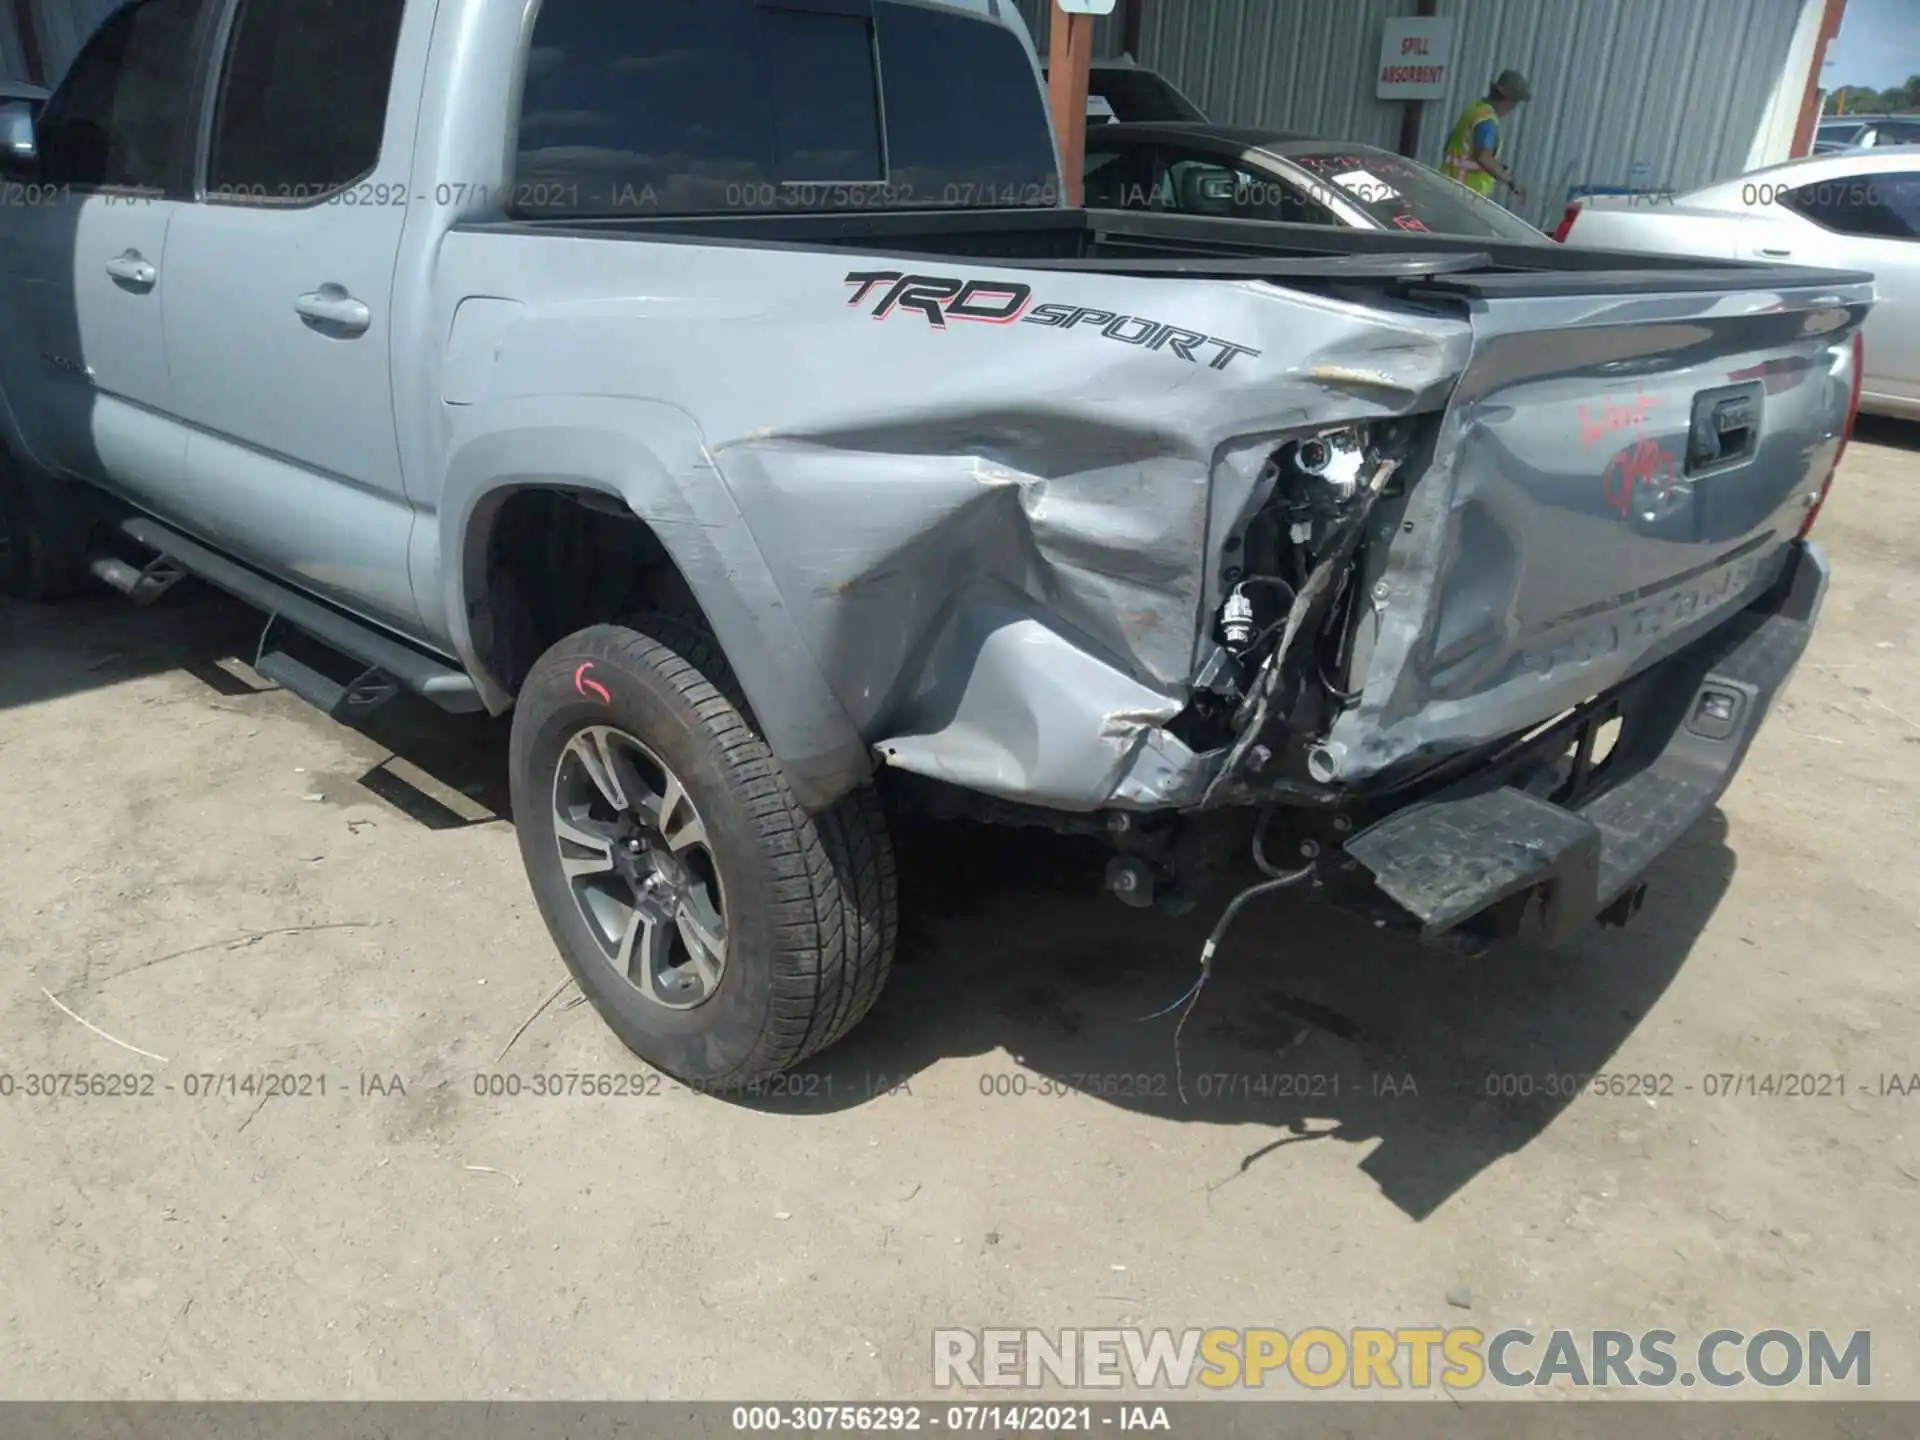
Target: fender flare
{"type": "Point", "coordinates": [651, 457]}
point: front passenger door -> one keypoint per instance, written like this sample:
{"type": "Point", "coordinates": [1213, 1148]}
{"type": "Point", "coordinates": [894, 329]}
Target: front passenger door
{"type": "Point", "coordinates": [83, 257]}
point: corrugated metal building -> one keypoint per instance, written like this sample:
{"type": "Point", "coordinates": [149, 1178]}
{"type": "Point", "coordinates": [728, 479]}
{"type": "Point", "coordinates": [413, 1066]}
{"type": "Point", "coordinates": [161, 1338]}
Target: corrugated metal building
{"type": "Point", "coordinates": [1687, 91]}
{"type": "Point", "coordinates": [1659, 93]}
{"type": "Point", "coordinates": [13, 57]}
{"type": "Point", "coordinates": [63, 27]}
{"type": "Point", "coordinates": [59, 26]}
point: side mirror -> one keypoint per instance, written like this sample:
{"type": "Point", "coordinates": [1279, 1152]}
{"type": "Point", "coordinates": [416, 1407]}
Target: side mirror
{"type": "Point", "coordinates": [19, 151]}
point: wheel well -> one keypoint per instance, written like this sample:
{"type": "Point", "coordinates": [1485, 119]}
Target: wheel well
{"type": "Point", "coordinates": [555, 561]}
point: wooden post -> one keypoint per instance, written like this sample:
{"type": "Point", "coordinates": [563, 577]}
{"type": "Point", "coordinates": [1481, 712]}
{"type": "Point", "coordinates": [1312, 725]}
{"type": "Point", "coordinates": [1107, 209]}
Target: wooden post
{"type": "Point", "coordinates": [1069, 59]}
{"type": "Point", "coordinates": [1810, 102]}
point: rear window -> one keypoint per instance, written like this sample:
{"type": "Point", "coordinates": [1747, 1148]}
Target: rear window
{"type": "Point", "coordinates": [711, 107]}
{"type": "Point", "coordinates": [1882, 205]}
{"type": "Point", "coordinates": [1403, 195]}
{"type": "Point", "coordinates": [1840, 134]}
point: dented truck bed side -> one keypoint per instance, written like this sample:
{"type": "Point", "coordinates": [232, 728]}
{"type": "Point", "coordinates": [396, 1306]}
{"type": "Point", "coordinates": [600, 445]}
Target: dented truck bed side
{"type": "Point", "coordinates": [1001, 503]}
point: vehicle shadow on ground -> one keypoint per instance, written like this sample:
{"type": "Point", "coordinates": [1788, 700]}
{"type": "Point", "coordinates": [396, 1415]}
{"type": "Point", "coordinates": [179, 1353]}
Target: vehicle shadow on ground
{"type": "Point", "coordinates": [1884, 430]}
{"type": "Point", "coordinates": [1314, 1027]}
{"type": "Point", "coordinates": [51, 651]}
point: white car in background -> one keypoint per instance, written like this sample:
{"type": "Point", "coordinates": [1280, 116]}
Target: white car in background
{"type": "Point", "coordinates": [1861, 132]}
{"type": "Point", "coordinates": [1854, 211]}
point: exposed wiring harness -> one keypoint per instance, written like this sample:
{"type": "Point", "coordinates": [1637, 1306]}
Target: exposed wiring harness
{"type": "Point", "coordinates": [1309, 606]}
{"type": "Point", "coordinates": [1343, 604]}
{"type": "Point", "coordinates": [1276, 880]}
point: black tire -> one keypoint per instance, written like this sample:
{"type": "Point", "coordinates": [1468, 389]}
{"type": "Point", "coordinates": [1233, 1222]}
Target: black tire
{"type": "Point", "coordinates": [810, 905]}
{"type": "Point", "coordinates": [43, 537]}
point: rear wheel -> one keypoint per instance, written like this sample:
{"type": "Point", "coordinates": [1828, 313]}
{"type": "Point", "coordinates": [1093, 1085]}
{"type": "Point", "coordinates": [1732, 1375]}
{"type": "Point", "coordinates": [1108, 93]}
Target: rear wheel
{"type": "Point", "coordinates": [43, 537]}
{"type": "Point", "coordinates": [721, 931]}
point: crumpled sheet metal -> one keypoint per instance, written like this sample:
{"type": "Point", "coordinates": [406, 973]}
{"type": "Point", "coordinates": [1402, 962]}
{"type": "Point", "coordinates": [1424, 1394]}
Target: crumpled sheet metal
{"type": "Point", "coordinates": [1526, 577]}
{"type": "Point", "coordinates": [1007, 578]}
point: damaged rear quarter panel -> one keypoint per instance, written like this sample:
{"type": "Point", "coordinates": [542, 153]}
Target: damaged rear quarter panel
{"type": "Point", "coordinates": [997, 535]}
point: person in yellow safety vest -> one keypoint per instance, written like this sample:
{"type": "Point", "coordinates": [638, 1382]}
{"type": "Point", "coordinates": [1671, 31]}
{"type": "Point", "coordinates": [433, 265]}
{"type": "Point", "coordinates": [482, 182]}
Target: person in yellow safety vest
{"type": "Point", "coordinates": [1473, 150]}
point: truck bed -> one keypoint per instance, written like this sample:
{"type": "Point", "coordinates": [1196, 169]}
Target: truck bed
{"type": "Point", "coordinates": [1128, 242]}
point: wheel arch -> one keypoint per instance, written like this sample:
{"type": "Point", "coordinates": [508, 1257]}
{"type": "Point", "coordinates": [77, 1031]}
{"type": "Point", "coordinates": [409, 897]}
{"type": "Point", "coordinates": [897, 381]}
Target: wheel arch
{"type": "Point", "coordinates": [643, 464]}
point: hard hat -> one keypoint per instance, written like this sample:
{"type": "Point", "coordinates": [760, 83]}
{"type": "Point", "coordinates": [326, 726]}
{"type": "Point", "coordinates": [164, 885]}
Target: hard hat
{"type": "Point", "coordinates": [1512, 85]}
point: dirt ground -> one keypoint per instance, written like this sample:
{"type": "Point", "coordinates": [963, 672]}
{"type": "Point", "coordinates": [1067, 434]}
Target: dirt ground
{"type": "Point", "coordinates": [210, 871]}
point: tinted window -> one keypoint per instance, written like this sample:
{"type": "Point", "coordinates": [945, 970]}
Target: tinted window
{"type": "Point", "coordinates": [1401, 194]}
{"type": "Point", "coordinates": [1900, 132]}
{"type": "Point", "coordinates": [825, 107]}
{"type": "Point", "coordinates": [966, 122]}
{"type": "Point", "coordinates": [652, 107]}
{"type": "Point", "coordinates": [1840, 134]}
{"type": "Point", "coordinates": [1201, 185]}
{"type": "Point", "coordinates": [732, 106]}
{"type": "Point", "coordinates": [1125, 179]}
{"type": "Point", "coordinates": [303, 101]}
{"type": "Point", "coordinates": [117, 120]}
{"type": "Point", "coordinates": [1884, 205]}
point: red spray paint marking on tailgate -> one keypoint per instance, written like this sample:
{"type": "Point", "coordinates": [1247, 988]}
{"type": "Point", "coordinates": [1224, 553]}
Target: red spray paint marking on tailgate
{"type": "Point", "coordinates": [1644, 461]}
{"type": "Point", "coordinates": [1614, 417]}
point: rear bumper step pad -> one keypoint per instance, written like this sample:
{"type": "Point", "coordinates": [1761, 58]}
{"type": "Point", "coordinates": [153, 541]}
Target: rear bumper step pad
{"type": "Point", "coordinates": [1687, 724]}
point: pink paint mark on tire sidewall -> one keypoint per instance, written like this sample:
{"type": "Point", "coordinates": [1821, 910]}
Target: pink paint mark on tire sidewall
{"type": "Point", "coordinates": [590, 689]}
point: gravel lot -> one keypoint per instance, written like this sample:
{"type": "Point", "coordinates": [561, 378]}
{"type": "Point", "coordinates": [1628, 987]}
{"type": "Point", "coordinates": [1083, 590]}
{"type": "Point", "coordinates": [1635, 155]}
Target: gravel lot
{"type": "Point", "coordinates": [210, 871]}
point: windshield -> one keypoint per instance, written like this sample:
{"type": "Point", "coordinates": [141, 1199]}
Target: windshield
{"type": "Point", "coordinates": [1402, 194]}
{"type": "Point", "coordinates": [1140, 97]}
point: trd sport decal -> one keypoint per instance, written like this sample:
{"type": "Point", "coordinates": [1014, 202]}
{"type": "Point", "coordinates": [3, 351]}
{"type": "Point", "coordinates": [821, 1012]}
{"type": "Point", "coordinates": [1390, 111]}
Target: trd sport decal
{"type": "Point", "coordinates": [943, 298]}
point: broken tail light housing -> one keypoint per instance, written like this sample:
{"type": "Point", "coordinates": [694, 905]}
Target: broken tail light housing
{"type": "Point", "coordinates": [1846, 434]}
{"type": "Point", "coordinates": [1566, 224]}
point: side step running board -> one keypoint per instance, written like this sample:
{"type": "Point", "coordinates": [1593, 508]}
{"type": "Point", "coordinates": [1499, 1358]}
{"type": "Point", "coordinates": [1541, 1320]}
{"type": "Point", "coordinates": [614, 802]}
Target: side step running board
{"type": "Point", "coordinates": [341, 702]}
{"type": "Point", "coordinates": [143, 586]}
{"type": "Point", "coordinates": [385, 657]}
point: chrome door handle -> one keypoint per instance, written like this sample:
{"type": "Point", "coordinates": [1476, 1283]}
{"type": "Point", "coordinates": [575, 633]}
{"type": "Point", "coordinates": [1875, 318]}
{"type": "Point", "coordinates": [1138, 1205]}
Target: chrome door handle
{"type": "Point", "coordinates": [332, 306]}
{"type": "Point", "coordinates": [134, 268]}
{"type": "Point", "coordinates": [1774, 252]}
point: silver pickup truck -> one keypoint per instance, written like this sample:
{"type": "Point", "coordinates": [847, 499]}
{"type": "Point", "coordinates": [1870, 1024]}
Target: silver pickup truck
{"type": "Point", "coordinates": [724, 388]}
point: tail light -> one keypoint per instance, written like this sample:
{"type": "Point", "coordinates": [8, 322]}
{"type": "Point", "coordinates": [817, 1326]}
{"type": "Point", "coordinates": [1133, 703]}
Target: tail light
{"type": "Point", "coordinates": [1566, 224]}
{"type": "Point", "coordinates": [1846, 434]}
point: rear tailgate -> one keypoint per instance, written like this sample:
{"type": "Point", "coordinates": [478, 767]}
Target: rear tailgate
{"type": "Point", "coordinates": [1623, 465]}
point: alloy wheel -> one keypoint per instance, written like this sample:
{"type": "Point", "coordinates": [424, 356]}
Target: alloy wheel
{"type": "Point", "coordinates": [637, 859]}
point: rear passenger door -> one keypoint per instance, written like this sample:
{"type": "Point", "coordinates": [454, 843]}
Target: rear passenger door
{"type": "Point", "coordinates": [83, 263]}
{"type": "Point", "coordinates": [279, 298]}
